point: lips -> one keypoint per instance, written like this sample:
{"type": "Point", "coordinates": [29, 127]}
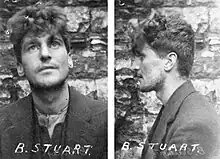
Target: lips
{"type": "Point", "coordinates": [42, 68]}
{"type": "Point", "coordinates": [138, 74]}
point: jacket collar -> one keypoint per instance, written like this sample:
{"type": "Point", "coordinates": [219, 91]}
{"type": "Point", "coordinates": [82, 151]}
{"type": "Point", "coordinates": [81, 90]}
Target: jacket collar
{"type": "Point", "coordinates": [77, 108]}
{"type": "Point", "coordinates": [169, 111]}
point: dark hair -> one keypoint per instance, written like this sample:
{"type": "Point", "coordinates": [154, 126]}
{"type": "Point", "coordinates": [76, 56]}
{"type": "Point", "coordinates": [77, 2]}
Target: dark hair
{"type": "Point", "coordinates": [168, 34]}
{"type": "Point", "coordinates": [37, 19]}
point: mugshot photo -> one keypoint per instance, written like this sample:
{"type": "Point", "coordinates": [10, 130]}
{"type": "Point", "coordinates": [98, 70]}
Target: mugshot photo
{"type": "Point", "coordinates": [167, 79]}
{"type": "Point", "coordinates": [53, 79]}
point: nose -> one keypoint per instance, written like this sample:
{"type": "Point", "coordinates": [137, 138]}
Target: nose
{"type": "Point", "coordinates": [136, 67]}
{"type": "Point", "coordinates": [45, 53]}
{"type": "Point", "coordinates": [138, 74]}
{"type": "Point", "coordinates": [136, 64]}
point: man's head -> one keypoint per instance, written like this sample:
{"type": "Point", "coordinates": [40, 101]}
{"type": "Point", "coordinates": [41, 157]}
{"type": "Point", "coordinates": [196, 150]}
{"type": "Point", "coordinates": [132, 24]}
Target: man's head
{"type": "Point", "coordinates": [163, 47]}
{"type": "Point", "coordinates": [41, 44]}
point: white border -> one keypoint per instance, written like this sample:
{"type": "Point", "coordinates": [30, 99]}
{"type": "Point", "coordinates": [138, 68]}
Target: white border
{"type": "Point", "coordinates": [111, 83]}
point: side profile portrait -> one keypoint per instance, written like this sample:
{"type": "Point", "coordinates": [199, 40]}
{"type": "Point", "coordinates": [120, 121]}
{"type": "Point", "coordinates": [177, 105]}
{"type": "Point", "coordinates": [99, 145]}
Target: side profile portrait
{"type": "Point", "coordinates": [187, 126]}
{"type": "Point", "coordinates": [54, 120]}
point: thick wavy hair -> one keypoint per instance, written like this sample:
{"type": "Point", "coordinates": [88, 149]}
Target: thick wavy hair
{"type": "Point", "coordinates": [165, 35]}
{"type": "Point", "coordinates": [37, 19]}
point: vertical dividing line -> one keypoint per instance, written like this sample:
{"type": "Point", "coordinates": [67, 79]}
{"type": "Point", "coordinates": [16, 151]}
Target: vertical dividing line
{"type": "Point", "coordinates": [111, 80]}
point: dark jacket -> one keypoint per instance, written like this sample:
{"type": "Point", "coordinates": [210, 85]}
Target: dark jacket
{"type": "Point", "coordinates": [86, 125]}
{"type": "Point", "coordinates": [188, 125]}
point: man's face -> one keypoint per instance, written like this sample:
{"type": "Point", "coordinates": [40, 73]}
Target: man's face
{"type": "Point", "coordinates": [44, 60]}
{"type": "Point", "coordinates": [150, 69]}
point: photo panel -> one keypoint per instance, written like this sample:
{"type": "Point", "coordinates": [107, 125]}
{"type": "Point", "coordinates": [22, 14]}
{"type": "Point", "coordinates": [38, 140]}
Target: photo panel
{"type": "Point", "coordinates": [53, 78]}
{"type": "Point", "coordinates": [166, 79]}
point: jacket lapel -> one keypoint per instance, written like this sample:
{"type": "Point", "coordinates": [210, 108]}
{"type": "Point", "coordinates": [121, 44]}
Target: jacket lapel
{"type": "Point", "coordinates": [79, 130]}
{"type": "Point", "coordinates": [20, 132]}
{"type": "Point", "coordinates": [170, 110]}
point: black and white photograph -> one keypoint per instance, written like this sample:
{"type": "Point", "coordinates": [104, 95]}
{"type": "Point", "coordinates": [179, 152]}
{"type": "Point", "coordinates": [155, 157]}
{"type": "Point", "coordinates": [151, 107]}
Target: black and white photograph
{"type": "Point", "coordinates": [167, 87]}
{"type": "Point", "coordinates": [116, 79]}
{"type": "Point", "coordinates": [53, 79]}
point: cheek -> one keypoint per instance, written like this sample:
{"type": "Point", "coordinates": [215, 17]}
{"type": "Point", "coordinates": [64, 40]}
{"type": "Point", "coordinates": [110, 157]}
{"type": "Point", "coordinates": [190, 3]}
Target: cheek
{"type": "Point", "coordinates": [146, 67]}
{"type": "Point", "coordinates": [63, 62]}
{"type": "Point", "coordinates": [29, 65]}
{"type": "Point", "coordinates": [150, 67]}
{"type": "Point", "coordinates": [61, 56]}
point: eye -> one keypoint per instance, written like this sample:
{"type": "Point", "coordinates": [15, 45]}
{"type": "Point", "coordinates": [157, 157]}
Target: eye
{"type": "Point", "coordinates": [54, 44]}
{"type": "Point", "coordinates": [140, 56]}
{"type": "Point", "coordinates": [33, 48]}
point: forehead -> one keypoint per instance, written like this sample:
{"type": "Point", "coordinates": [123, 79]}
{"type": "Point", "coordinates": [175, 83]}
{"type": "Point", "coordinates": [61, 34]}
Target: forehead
{"type": "Point", "coordinates": [139, 43]}
{"type": "Point", "coordinates": [140, 46]}
{"type": "Point", "coordinates": [31, 36]}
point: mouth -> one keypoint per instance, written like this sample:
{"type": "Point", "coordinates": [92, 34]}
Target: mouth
{"type": "Point", "coordinates": [43, 68]}
{"type": "Point", "coordinates": [138, 74]}
{"type": "Point", "coordinates": [139, 82]}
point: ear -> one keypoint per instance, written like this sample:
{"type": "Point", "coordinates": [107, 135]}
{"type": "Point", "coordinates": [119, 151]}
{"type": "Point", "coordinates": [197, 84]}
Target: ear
{"type": "Point", "coordinates": [20, 69]}
{"type": "Point", "coordinates": [170, 61]}
{"type": "Point", "coordinates": [70, 61]}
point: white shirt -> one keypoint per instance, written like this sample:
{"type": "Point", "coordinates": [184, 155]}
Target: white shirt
{"type": "Point", "coordinates": [50, 121]}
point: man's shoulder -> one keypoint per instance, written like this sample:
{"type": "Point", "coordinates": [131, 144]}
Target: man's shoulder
{"type": "Point", "coordinates": [9, 112]}
{"type": "Point", "coordinates": [197, 122]}
{"type": "Point", "coordinates": [95, 106]}
{"type": "Point", "coordinates": [199, 105]}
{"type": "Point", "coordinates": [92, 111]}
{"type": "Point", "coordinates": [12, 107]}
{"type": "Point", "coordinates": [196, 108]}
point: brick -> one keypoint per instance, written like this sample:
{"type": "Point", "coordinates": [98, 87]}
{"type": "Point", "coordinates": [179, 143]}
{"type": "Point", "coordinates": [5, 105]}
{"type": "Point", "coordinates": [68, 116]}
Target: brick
{"type": "Point", "coordinates": [214, 20]}
{"type": "Point", "coordinates": [78, 18]}
{"type": "Point", "coordinates": [210, 88]}
{"type": "Point", "coordinates": [88, 67]}
{"type": "Point", "coordinates": [206, 67]}
{"type": "Point", "coordinates": [5, 73]}
{"type": "Point", "coordinates": [151, 103]}
{"type": "Point", "coordinates": [168, 11]}
{"type": "Point", "coordinates": [5, 46]}
{"type": "Point", "coordinates": [123, 63]}
{"type": "Point", "coordinates": [4, 94]}
{"type": "Point", "coordinates": [215, 2]}
{"type": "Point", "coordinates": [213, 42]}
{"type": "Point", "coordinates": [207, 53]}
{"type": "Point", "coordinates": [99, 21]}
{"type": "Point", "coordinates": [197, 17]}
{"type": "Point", "coordinates": [203, 1]}
{"type": "Point", "coordinates": [88, 53]}
{"type": "Point", "coordinates": [84, 86]}
{"type": "Point", "coordinates": [102, 88]}
{"type": "Point", "coordinates": [25, 88]}
{"type": "Point", "coordinates": [179, 3]}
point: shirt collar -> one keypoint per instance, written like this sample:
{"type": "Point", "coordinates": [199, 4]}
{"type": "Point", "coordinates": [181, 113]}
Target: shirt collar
{"type": "Point", "coordinates": [51, 120]}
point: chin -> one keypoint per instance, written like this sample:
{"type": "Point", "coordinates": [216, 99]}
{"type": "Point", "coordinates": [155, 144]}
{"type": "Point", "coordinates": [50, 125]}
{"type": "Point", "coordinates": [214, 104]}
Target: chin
{"type": "Point", "coordinates": [48, 84]}
{"type": "Point", "coordinates": [147, 88]}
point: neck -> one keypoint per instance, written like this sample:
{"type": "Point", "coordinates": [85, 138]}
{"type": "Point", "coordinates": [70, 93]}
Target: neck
{"type": "Point", "coordinates": [51, 101]}
{"type": "Point", "coordinates": [170, 86]}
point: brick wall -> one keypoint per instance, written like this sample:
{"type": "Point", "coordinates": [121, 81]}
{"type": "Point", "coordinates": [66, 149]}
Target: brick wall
{"type": "Point", "coordinates": [135, 111]}
{"type": "Point", "coordinates": [88, 29]}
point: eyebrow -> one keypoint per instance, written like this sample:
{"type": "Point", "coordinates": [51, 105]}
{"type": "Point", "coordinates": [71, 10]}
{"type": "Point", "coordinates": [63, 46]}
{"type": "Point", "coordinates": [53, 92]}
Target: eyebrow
{"type": "Point", "coordinates": [136, 52]}
{"type": "Point", "coordinates": [29, 41]}
{"type": "Point", "coordinates": [55, 37]}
